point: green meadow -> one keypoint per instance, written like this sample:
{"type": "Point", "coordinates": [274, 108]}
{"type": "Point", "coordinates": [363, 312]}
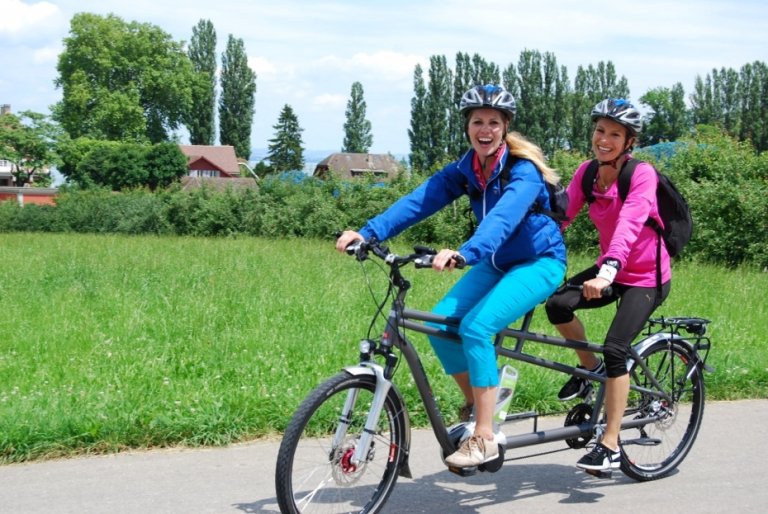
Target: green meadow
{"type": "Point", "coordinates": [116, 342]}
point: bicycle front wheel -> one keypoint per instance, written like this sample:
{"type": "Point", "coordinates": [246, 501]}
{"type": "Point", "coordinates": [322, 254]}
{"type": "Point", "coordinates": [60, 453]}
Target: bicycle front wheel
{"type": "Point", "coordinates": [655, 449]}
{"type": "Point", "coordinates": [315, 469]}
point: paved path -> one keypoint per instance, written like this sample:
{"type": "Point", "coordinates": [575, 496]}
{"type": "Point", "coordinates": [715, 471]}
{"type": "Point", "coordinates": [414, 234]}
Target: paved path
{"type": "Point", "coordinates": [725, 472]}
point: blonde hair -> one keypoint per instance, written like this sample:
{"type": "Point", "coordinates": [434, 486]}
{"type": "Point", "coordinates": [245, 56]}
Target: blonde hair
{"type": "Point", "coordinates": [522, 148]}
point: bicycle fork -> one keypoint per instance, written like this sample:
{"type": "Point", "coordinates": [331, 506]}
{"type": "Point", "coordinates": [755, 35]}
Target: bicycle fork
{"type": "Point", "coordinates": [379, 397]}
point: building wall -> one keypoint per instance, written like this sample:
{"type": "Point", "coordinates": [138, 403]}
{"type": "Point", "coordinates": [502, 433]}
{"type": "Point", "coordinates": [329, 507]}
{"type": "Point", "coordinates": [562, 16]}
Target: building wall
{"type": "Point", "coordinates": [29, 195]}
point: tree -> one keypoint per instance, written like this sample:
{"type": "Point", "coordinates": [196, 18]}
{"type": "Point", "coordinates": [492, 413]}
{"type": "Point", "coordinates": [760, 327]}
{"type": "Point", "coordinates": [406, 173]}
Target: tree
{"type": "Point", "coordinates": [668, 119]}
{"type": "Point", "coordinates": [418, 134]}
{"type": "Point", "coordinates": [202, 53]}
{"type": "Point", "coordinates": [463, 80]}
{"type": "Point", "coordinates": [115, 165]}
{"type": "Point", "coordinates": [285, 149]}
{"type": "Point", "coordinates": [735, 101]}
{"type": "Point", "coordinates": [29, 142]}
{"type": "Point", "coordinates": [121, 81]}
{"type": "Point", "coordinates": [591, 85]}
{"type": "Point", "coordinates": [542, 89]}
{"type": "Point", "coordinates": [438, 105]}
{"type": "Point", "coordinates": [238, 87]}
{"type": "Point", "coordinates": [754, 104]}
{"type": "Point", "coordinates": [357, 129]}
{"type": "Point", "coordinates": [165, 164]}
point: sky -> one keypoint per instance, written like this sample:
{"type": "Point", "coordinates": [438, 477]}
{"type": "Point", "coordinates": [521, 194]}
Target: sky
{"type": "Point", "coordinates": [308, 53]}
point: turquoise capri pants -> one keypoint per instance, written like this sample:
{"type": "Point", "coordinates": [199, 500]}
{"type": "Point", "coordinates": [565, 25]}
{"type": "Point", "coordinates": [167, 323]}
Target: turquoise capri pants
{"type": "Point", "coordinates": [488, 300]}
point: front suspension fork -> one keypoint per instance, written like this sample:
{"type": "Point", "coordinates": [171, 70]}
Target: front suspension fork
{"type": "Point", "coordinates": [372, 421]}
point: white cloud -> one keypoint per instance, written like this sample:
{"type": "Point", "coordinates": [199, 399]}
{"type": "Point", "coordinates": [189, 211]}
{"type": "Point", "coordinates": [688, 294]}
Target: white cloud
{"type": "Point", "coordinates": [385, 65]}
{"type": "Point", "coordinates": [262, 67]}
{"type": "Point", "coordinates": [328, 101]}
{"type": "Point", "coordinates": [19, 17]}
{"type": "Point", "coordinates": [48, 54]}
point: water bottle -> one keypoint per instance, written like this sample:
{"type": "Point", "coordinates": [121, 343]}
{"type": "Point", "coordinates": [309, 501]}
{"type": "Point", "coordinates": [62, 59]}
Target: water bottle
{"type": "Point", "coordinates": [507, 382]}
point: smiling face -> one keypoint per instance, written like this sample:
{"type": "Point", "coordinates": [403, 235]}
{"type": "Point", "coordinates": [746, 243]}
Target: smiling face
{"type": "Point", "coordinates": [609, 140]}
{"type": "Point", "coordinates": [486, 129]}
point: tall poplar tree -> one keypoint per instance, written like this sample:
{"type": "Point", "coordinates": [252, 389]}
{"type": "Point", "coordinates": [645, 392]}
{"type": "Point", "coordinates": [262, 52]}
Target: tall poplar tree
{"type": "Point", "coordinates": [753, 89]}
{"type": "Point", "coordinates": [438, 104]}
{"type": "Point", "coordinates": [418, 134]}
{"type": "Point", "coordinates": [462, 81]}
{"type": "Point", "coordinates": [736, 101]}
{"type": "Point", "coordinates": [238, 86]}
{"type": "Point", "coordinates": [542, 89]}
{"type": "Point", "coordinates": [357, 129]}
{"type": "Point", "coordinates": [202, 53]}
{"type": "Point", "coordinates": [591, 85]}
{"type": "Point", "coordinates": [285, 149]}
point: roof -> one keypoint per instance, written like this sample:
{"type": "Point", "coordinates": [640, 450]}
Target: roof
{"type": "Point", "coordinates": [356, 164]}
{"type": "Point", "coordinates": [217, 183]}
{"type": "Point", "coordinates": [221, 158]}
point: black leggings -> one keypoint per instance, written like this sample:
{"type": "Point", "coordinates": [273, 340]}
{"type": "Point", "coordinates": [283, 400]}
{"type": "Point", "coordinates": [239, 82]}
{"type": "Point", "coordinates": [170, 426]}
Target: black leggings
{"type": "Point", "coordinates": [635, 306]}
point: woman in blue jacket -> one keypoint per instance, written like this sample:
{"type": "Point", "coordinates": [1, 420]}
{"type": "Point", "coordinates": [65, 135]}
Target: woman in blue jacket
{"type": "Point", "coordinates": [517, 254]}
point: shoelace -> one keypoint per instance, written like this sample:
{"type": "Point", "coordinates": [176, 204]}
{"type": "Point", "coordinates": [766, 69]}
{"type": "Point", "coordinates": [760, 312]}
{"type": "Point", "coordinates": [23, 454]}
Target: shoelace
{"type": "Point", "coordinates": [473, 443]}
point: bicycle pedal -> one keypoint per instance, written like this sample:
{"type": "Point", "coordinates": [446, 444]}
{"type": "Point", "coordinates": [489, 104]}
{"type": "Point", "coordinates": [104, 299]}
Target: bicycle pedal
{"type": "Point", "coordinates": [463, 472]}
{"type": "Point", "coordinates": [598, 473]}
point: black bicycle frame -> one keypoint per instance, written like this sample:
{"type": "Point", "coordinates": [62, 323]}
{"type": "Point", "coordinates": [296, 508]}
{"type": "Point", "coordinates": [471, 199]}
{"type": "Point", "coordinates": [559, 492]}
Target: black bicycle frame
{"type": "Point", "coordinates": [411, 319]}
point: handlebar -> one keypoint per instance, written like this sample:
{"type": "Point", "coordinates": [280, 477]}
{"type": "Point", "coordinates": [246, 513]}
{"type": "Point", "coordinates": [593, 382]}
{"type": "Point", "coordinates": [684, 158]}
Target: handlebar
{"type": "Point", "coordinates": [606, 291]}
{"type": "Point", "coordinates": [421, 257]}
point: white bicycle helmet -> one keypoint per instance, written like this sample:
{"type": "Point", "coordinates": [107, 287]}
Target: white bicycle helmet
{"type": "Point", "coordinates": [620, 111]}
{"type": "Point", "coordinates": [489, 95]}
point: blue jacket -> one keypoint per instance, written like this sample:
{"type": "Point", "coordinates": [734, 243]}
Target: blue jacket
{"type": "Point", "coordinates": [507, 233]}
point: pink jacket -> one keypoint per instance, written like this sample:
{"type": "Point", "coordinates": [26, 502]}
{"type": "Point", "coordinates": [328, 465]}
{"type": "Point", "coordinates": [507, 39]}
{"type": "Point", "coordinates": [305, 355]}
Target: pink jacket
{"type": "Point", "coordinates": [623, 233]}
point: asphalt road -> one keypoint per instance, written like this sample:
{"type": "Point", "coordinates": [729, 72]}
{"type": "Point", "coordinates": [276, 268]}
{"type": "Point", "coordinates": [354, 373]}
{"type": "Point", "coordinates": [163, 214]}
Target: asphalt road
{"type": "Point", "coordinates": [725, 472]}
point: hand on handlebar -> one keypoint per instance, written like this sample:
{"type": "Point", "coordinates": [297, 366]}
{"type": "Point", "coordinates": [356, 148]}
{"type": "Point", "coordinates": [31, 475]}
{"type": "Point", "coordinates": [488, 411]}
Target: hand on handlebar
{"type": "Point", "coordinates": [448, 259]}
{"type": "Point", "coordinates": [595, 288]}
{"type": "Point", "coordinates": [347, 238]}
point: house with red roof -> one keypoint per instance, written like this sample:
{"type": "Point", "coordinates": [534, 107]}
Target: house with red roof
{"type": "Point", "coordinates": [206, 161]}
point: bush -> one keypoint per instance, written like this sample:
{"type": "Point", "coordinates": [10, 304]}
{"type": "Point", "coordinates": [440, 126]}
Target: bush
{"type": "Point", "coordinates": [725, 183]}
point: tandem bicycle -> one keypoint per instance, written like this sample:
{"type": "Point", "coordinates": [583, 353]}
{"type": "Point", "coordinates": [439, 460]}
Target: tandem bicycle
{"type": "Point", "coordinates": [349, 440]}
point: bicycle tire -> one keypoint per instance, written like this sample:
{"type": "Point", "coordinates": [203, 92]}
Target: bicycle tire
{"type": "Point", "coordinates": [312, 477]}
{"type": "Point", "coordinates": [654, 450]}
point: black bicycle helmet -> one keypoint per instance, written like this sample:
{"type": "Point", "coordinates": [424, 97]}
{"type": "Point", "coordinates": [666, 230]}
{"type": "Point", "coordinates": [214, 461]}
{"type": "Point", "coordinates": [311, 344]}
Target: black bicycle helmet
{"type": "Point", "coordinates": [489, 95]}
{"type": "Point", "coordinates": [620, 111]}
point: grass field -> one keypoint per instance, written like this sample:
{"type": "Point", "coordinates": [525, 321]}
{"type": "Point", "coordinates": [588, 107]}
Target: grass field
{"type": "Point", "coordinates": [130, 342]}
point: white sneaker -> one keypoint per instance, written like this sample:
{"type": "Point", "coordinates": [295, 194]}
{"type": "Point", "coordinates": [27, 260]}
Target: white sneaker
{"type": "Point", "coordinates": [473, 452]}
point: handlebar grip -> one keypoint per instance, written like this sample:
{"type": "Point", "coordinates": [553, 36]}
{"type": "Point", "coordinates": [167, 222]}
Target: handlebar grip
{"type": "Point", "coordinates": [425, 261]}
{"type": "Point", "coordinates": [607, 290]}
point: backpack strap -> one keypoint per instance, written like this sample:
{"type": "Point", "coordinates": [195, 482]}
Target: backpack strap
{"type": "Point", "coordinates": [504, 175]}
{"type": "Point", "coordinates": [588, 180]}
{"type": "Point", "coordinates": [625, 177]}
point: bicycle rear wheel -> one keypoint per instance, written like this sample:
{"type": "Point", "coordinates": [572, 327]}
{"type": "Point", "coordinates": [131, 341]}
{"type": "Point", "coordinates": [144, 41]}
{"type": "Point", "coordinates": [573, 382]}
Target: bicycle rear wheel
{"type": "Point", "coordinates": [655, 449]}
{"type": "Point", "coordinates": [316, 475]}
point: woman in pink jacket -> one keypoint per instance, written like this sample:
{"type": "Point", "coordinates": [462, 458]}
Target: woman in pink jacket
{"type": "Point", "coordinates": [627, 262]}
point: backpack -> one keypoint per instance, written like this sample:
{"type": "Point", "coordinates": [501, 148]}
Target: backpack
{"type": "Point", "coordinates": [558, 197]}
{"type": "Point", "coordinates": [673, 209]}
